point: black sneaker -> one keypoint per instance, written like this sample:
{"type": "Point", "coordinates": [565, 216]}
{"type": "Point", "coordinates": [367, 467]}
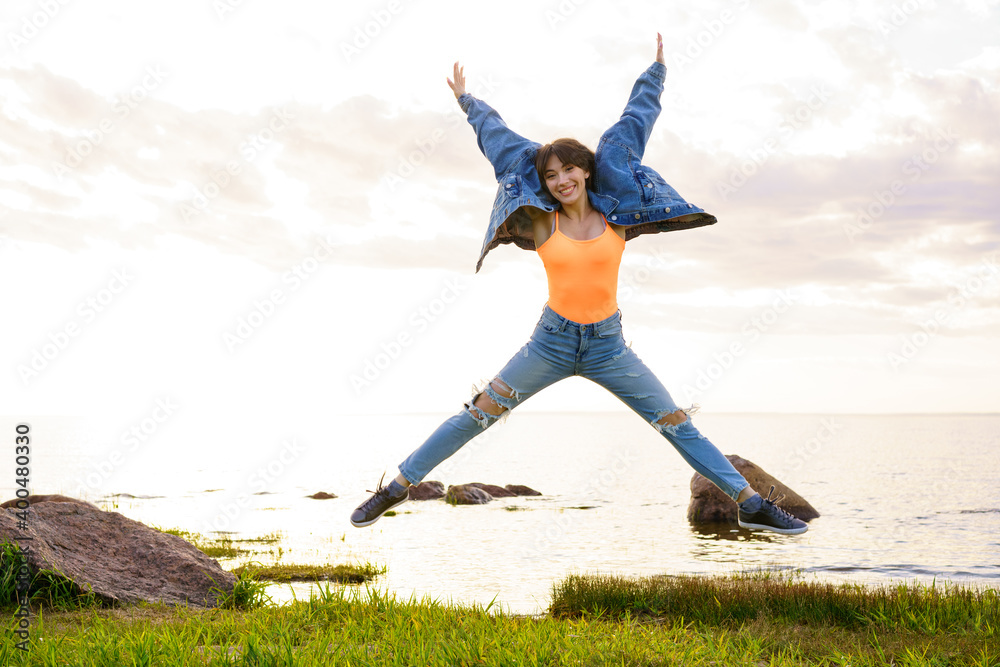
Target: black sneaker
{"type": "Point", "coordinates": [771, 517]}
{"type": "Point", "coordinates": [372, 509]}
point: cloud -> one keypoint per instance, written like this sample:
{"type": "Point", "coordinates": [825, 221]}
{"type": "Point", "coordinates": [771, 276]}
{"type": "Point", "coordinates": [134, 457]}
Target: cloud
{"type": "Point", "coordinates": [403, 187]}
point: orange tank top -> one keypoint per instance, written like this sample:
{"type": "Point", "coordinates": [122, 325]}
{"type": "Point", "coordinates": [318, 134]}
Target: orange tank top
{"type": "Point", "coordinates": [583, 275]}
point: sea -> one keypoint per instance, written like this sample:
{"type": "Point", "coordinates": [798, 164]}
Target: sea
{"type": "Point", "coordinates": [902, 498]}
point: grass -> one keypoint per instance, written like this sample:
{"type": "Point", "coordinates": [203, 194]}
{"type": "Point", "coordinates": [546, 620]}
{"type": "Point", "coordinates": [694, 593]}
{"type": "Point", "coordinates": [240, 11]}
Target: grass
{"type": "Point", "coordinates": [874, 625]}
{"type": "Point", "coordinates": [45, 587]}
{"type": "Point", "coordinates": [249, 592]}
{"type": "Point", "coordinates": [285, 572]}
{"type": "Point", "coordinates": [220, 548]}
{"type": "Point", "coordinates": [594, 620]}
{"type": "Point", "coordinates": [224, 547]}
{"type": "Point", "coordinates": [744, 598]}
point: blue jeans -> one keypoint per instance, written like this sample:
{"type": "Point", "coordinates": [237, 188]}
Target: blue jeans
{"type": "Point", "coordinates": [559, 348]}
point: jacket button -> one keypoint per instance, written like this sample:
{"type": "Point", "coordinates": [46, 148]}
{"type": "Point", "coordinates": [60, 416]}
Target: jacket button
{"type": "Point", "coordinates": [689, 206]}
{"type": "Point", "coordinates": [509, 184]}
{"type": "Point", "coordinates": [666, 210]}
{"type": "Point", "coordinates": [614, 217]}
{"type": "Point", "coordinates": [649, 185]}
{"type": "Point", "coordinates": [636, 216]}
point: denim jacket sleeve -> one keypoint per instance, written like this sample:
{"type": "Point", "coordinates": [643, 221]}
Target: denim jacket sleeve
{"type": "Point", "coordinates": [641, 111]}
{"type": "Point", "coordinates": [501, 145]}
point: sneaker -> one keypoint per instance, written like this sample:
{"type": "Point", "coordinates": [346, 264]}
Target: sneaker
{"type": "Point", "coordinates": [372, 509]}
{"type": "Point", "coordinates": [771, 517]}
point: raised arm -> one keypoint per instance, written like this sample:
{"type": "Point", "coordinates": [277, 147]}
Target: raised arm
{"type": "Point", "coordinates": [643, 107]}
{"type": "Point", "coordinates": [501, 145]}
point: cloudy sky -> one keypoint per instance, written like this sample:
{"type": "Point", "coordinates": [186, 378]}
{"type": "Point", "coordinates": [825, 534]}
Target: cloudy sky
{"type": "Point", "coordinates": [264, 211]}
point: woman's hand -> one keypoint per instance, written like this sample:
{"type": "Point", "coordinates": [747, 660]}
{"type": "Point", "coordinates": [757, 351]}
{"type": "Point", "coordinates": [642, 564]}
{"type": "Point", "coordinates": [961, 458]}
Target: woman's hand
{"type": "Point", "coordinates": [458, 85]}
{"type": "Point", "coordinates": [659, 50]}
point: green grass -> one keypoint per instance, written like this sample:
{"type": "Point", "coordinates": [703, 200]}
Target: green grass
{"type": "Point", "coordinates": [744, 598]}
{"type": "Point", "coordinates": [248, 593]}
{"type": "Point", "coordinates": [45, 587]}
{"type": "Point", "coordinates": [594, 621]}
{"type": "Point", "coordinates": [220, 548]}
{"type": "Point", "coordinates": [223, 547]}
{"type": "Point", "coordinates": [285, 572]}
{"type": "Point", "coordinates": [874, 625]}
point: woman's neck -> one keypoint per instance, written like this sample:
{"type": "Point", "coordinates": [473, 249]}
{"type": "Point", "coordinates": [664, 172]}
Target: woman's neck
{"type": "Point", "coordinates": [578, 210]}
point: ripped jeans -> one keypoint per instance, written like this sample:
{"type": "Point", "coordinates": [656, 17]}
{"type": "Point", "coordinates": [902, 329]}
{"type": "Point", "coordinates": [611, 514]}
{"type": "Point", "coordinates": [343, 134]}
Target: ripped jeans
{"type": "Point", "coordinates": [559, 348]}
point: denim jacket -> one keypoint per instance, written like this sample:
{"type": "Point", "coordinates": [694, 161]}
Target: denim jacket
{"type": "Point", "coordinates": [626, 192]}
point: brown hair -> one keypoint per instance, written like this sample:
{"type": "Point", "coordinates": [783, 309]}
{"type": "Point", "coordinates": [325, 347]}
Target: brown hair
{"type": "Point", "coordinates": [569, 151]}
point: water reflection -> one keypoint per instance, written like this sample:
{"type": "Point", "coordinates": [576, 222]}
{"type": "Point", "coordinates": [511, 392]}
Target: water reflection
{"type": "Point", "coordinates": [728, 531]}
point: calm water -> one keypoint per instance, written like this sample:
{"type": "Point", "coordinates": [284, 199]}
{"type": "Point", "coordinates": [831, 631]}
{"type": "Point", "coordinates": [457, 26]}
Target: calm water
{"type": "Point", "coordinates": [902, 497]}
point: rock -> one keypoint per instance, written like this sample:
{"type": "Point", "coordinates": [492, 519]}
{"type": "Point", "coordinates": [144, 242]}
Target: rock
{"type": "Point", "coordinates": [466, 494]}
{"type": "Point", "coordinates": [476, 493]}
{"type": "Point", "coordinates": [710, 505]}
{"type": "Point", "coordinates": [52, 498]}
{"type": "Point", "coordinates": [322, 495]}
{"type": "Point", "coordinates": [520, 490]}
{"type": "Point", "coordinates": [118, 559]}
{"type": "Point", "coordinates": [494, 490]}
{"type": "Point", "coordinates": [427, 491]}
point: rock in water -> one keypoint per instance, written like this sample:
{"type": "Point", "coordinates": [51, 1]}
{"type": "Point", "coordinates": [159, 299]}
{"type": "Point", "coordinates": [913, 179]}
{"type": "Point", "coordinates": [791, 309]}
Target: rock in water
{"type": "Point", "coordinates": [710, 505]}
{"type": "Point", "coordinates": [466, 494]}
{"type": "Point", "coordinates": [427, 491]}
{"type": "Point", "coordinates": [116, 558]}
{"type": "Point", "coordinates": [494, 490]}
{"type": "Point", "coordinates": [521, 490]}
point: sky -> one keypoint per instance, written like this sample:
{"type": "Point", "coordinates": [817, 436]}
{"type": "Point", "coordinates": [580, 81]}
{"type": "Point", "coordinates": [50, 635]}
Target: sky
{"type": "Point", "coordinates": [256, 212]}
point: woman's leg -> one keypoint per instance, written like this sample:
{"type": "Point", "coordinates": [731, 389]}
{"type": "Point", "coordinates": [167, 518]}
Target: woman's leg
{"type": "Point", "coordinates": [616, 367]}
{"type": "Point", "coordinates": [542, 361]}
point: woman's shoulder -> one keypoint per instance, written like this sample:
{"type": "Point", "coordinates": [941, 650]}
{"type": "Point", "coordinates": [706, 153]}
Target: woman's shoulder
{"type": "Point", "coordinates": [541, 224]}
{"type": "Point", "coordinates": [616, 228]}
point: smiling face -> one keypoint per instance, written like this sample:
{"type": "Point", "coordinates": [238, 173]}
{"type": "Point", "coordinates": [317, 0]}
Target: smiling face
{"type": "Point", "coordinates": [563, 163]}
{"type": "Point", "coordinates": [566, 181]}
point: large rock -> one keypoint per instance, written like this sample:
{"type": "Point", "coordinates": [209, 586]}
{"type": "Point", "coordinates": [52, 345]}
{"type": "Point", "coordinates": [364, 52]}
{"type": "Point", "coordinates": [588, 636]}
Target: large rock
{"type": "Point", "coordinates": [710, 505]}
{"type": "Point", "coordinates": [467, 494]}
{"type": "Point", "coordinates": [52, 498]}
{"type": "Point", "coordinates": [427, 491]}
{"type": "Point", "coordinates": [118, 559]}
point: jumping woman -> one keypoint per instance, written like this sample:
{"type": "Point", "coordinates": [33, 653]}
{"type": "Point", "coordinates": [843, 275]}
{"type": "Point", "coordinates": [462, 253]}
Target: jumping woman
{"type": "Point", "coordinates": [577, 209]}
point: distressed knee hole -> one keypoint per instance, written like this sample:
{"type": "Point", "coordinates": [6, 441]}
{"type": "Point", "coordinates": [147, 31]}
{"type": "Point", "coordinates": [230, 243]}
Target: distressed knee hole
{"type": "Point", "coordinates": [496, 399]}
{"type": "Point", "coordinates": [669, 421]}
{"type": "Point", "coordinates": [673, 418]}
{"type": "Point", "coordinates": [486, 404]}
{"type": "Point", "coordinates": [484, 419]}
